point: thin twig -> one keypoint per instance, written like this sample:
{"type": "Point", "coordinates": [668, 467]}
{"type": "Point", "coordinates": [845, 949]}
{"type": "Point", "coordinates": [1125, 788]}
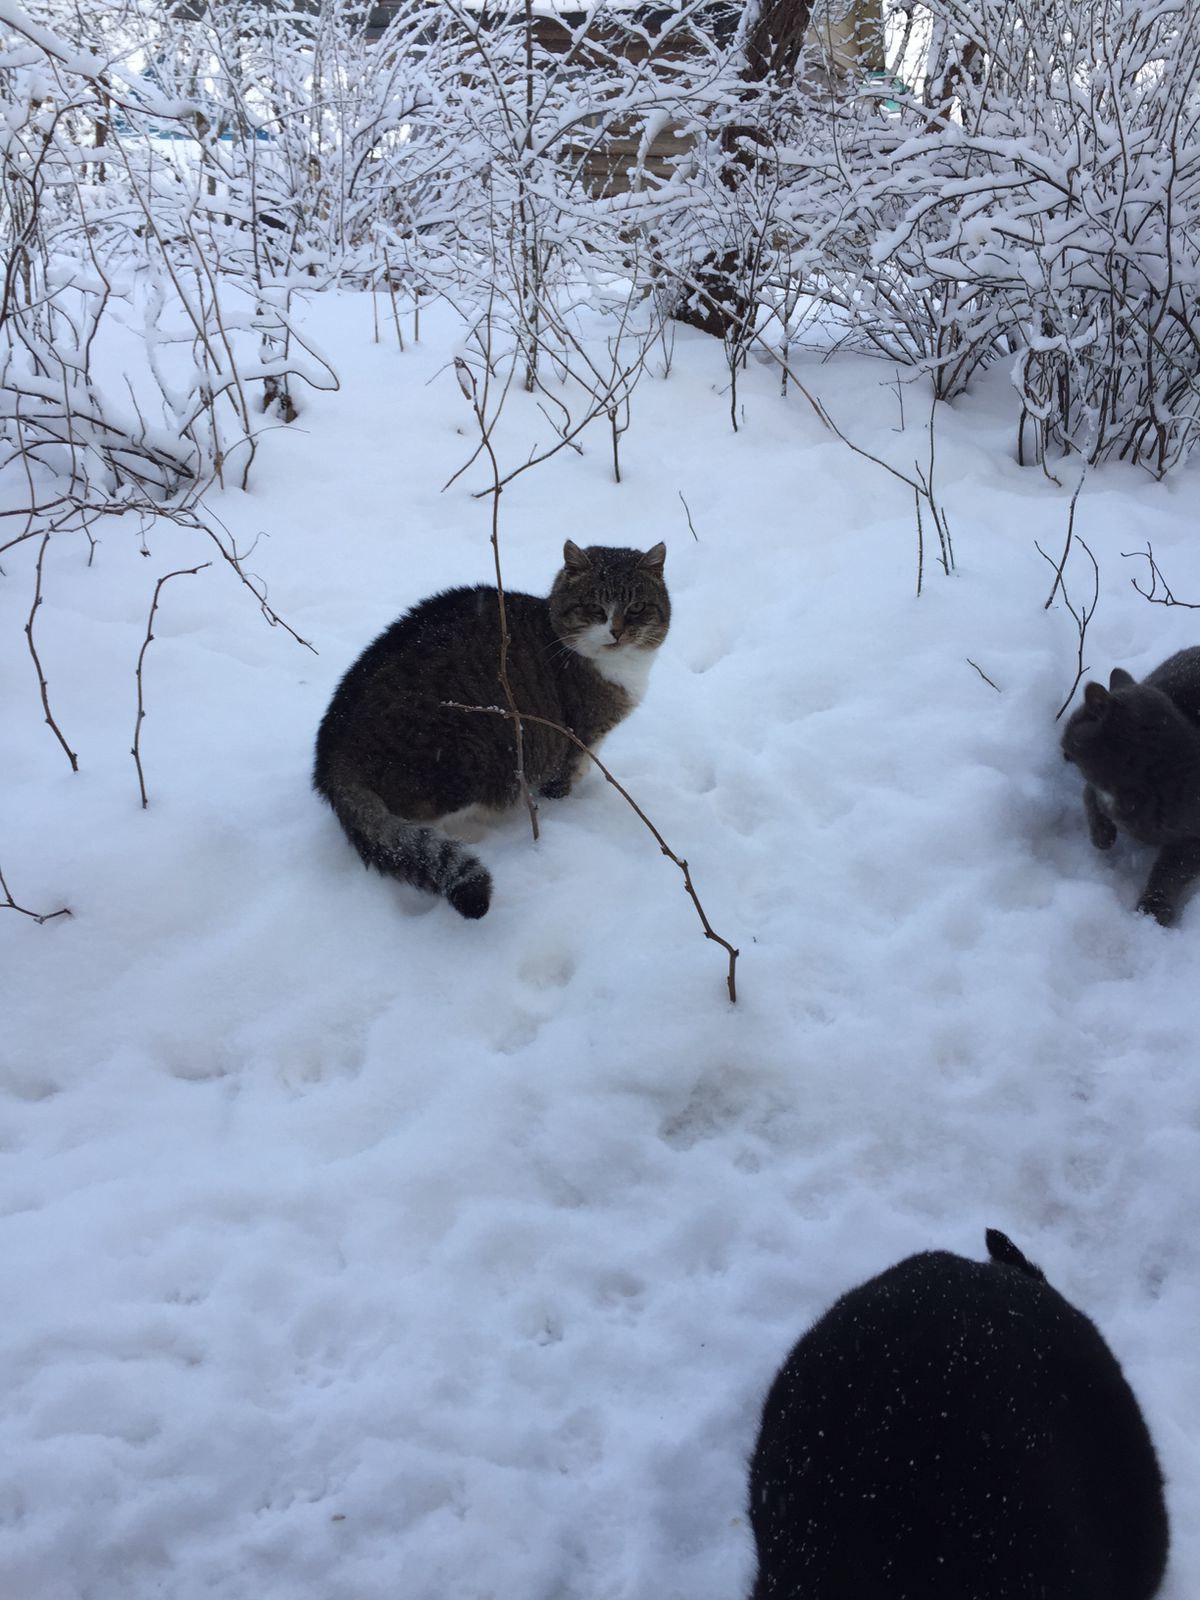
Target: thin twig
{"type": "Point", "coordinates": [37, 600]}
{"type": "Point", "coordinates": [1082, 617]}
{"type": "Point", "coordinates": [235, 558]}
{"type": "Point", "coordinates": [936, 511]}
{"type": "Point", "coordinates": [387, 269]}
{"type": "Point", "coordinates": [985, 677]}
{"type": "Point", "coordinates": [557, 727]}
{"type": "Point", "coordinates": [1058, 571]}
{"type": "Point", "coordinates": [183, 572]}
{"type": "Point", "coordinates": [1166, 598]}
{"type": "Point", "coordinates": [688, 510]}
{"type": "Point", "coordinates": [466, 381]}
{"type": "Point", "coordinates": [9, 904]}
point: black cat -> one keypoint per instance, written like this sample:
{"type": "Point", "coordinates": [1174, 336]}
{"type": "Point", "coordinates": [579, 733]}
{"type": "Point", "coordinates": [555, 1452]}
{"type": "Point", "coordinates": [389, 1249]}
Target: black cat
{"type": "Point", "coordinates": [955, 1430]}
{"type": "Point", "coordinates": [1138, 746]}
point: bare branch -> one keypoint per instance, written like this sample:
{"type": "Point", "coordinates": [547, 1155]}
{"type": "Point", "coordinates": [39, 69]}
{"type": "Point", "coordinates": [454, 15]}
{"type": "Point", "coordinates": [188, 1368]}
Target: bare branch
{"type": "Point", "coordinates": [689, 887]}
{"type": "Point", "coordinates": [466, 379]}
{"type": "Point", "coordinates": [1166, 598]}
{"type": "Point", "coordinates": [1081, 614]}
{"type": "Point", "coordinates": [1062, 560]}
{"type": "Point", "coordinates": [688, 513]}
{"type": "Point", "coordinates": [37, 663]}
{"type": "Point", "coordinates": [985, 677]}
{"type": "Point", "coordinates": [182, 572]}
{"type": "Point", "coordinates": [9, 904]}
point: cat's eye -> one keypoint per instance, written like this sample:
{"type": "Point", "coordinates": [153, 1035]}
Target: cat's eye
{"type": "Point", "coordinates": [591, 613]}
{"type": "Point", "coordinates": [637, 610]}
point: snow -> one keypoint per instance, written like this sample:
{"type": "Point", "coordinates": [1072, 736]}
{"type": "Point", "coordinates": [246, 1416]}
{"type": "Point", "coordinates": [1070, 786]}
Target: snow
{"type": "Point", "coordinates": [355, 1250]}
{"type": "Point", "coordinates": [143, 92]}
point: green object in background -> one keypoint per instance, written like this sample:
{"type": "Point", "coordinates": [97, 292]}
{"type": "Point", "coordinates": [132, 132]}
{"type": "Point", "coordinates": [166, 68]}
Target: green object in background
{"type": "Point", "coordinates": [878, 77]}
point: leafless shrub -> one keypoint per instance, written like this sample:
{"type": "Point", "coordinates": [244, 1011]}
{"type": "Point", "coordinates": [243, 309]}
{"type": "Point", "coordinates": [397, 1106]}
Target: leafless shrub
{"type": "Point", "coordinates": [1034, 199]}
{"type": "Point", "coordinates": [91, 251]}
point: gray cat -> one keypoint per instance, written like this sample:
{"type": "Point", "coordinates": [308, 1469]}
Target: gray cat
{"type": "Point", "coordinates": [393, 758]}
{"type": "Point", "coordinates": [1138, 746]}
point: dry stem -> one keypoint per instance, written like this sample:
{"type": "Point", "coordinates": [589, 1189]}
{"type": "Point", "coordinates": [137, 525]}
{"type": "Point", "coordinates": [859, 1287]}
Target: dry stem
{"type": "Point", "coordinates": [680, 862]}
{"type": "Point", "coordinates": [37, 600]}
{"type": "Point", "coordinates": [466, 380]}
{"type": "Point", "coordinates": [1166, 598]}
{"type": "Point", "coordinates": [688, 512]}
{"type": "Point", "coordinates": [1062, 561]}
{"type": "Point", "coordinates": [182, 572]}
{"type": "Point", "coordinates": [1082, 616]}
{"type": "Point", "coordinates": [984, 675]}
{"type": "Point", "coordinates": [9, 904]}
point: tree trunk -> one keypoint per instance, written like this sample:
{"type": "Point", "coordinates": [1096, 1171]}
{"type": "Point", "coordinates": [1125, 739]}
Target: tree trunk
{"type": "Point", "coordinates": [774, 48]}
{"type": "Point", "coordinates": [776, 39]}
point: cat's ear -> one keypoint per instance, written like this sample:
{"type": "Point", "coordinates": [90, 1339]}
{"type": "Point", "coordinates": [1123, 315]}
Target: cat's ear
{"type": "Point", "coordinates": [1095, 696]}
{"type": "Point", "coordinates": [653, 559]}
{"type": "Point", "coordinates": [574, 559]}
{"type": "Point", "coordinates": [1118, 678]}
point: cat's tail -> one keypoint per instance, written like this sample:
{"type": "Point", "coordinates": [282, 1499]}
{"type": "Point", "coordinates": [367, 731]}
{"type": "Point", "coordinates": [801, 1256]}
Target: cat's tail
{"type": "Point", "coordinates": [408, 851]}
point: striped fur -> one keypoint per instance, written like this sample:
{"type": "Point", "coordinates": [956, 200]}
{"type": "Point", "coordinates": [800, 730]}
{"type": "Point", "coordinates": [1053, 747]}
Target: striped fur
{"type": "Point", "coordinates": [406, 850]}
{"type": "Point", "coordinates": [396, 755]}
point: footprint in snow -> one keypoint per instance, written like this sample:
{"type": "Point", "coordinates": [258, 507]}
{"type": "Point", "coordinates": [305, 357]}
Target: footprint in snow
{"type": "Point", "coordinates": [514, 1032]}
{"type": "Point", "coordinates": [546, 965]}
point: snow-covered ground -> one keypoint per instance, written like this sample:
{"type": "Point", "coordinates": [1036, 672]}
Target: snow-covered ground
{"type": "Point", "coordinates": [355, 1251]}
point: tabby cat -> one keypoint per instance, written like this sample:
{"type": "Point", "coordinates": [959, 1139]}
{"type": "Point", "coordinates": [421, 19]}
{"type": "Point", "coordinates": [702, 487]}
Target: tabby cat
{"type": "Point", "coordinates": [1138, 747]}
{"type": "Point", "coordinates": [393, 758]}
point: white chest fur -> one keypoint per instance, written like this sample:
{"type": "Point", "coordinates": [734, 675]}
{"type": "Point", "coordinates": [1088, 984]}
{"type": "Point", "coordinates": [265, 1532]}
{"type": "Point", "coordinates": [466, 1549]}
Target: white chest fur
{"type": "Point", "coordinates": [628, 669]}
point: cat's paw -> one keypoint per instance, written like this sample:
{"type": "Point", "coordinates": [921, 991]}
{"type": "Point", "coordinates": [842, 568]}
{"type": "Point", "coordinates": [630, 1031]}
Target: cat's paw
{"type": "Point", "coordinates": [1153, 903]}
{"type": "Point", "coordinates": [555, 789]}
{"type": "Point", "coordinates": [1103, 832]}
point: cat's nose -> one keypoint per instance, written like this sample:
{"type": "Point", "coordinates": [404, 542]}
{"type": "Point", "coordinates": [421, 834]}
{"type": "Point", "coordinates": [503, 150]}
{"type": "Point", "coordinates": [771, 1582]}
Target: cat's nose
{"type": "Point", "coordinates": [617, 627]}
